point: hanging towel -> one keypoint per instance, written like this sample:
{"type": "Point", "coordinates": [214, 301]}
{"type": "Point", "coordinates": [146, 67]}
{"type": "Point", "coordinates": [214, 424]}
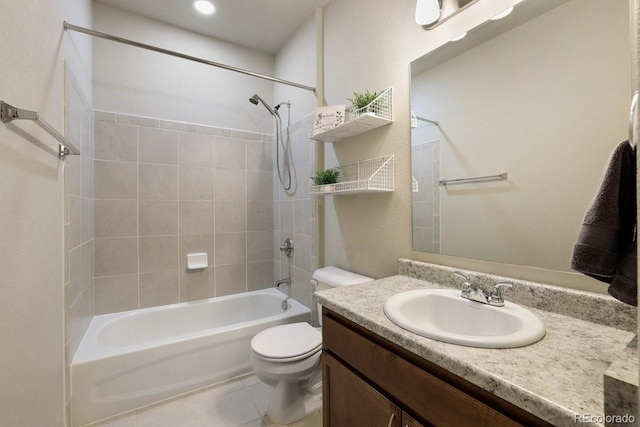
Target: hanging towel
{"type": "Point", "coordinates": [606, 244]}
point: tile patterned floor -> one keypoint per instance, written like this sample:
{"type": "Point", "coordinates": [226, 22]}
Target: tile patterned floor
{"type": "Point", "coordinates": [237, 403]}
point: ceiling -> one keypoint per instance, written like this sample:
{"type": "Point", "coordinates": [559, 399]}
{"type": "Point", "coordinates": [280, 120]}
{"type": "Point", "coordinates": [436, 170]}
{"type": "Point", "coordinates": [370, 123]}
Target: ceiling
{"type": "Point", "coordinates": [264, 25]}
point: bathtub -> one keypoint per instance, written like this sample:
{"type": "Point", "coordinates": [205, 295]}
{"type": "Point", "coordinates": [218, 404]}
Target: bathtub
{"type": "Point", "coordinates": [131, 359]}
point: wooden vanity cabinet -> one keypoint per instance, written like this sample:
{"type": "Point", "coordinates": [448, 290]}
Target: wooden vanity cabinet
{"type": "Point", "coordinates": [369, 381]}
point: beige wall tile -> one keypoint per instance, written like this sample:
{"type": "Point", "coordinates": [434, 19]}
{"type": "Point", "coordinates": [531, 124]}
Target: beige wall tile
{"type": "Point", "coordinates": [115, 180]}
{"type": "Point", "coordinates": [158, 254]}
{"type": "Point", "coordinates": [196, 244]}
{"type": "Point", "coordinates": [116, 218]}
{"type": "Point", "coordinates": [230, 153]}
{"type": "Point", "coordinates": [197, 284]}
{"type": "Point", "coordinates": [196, 183]}
{"type": "Point", "coordinates": [230, 248]}
{"type": "Point", "coordinates": [158, 218]}
{"type": "Point", "coordinates": [230, 216]}
{"type": "Point", "coordinates": [159, 288]}
{"type": "Point", "coordinates": [75, 221]}
{"type": "Point", "coordinates": [260, 216]}
{"type": "Point", "coordinates": [286, 216]}
{"type": "Point", "coordinates": [196, 149]}
{"type": "Point", "coordinates": [259, 156]}
{"type": "Point", "coordinates": [157, 182]}
{"type": "Point", "coordinates": [302, 217]}
{"type": "Point", "coordinates": [137, 120]}
{"type": "Point", "coordinates": [230, 184]}
{"type": "Point", "coordinates": [196, 217]}
{"type": "Point", "coordinates": [116, 293]}
{"type": "Point", "coordinates": [231, 279]}
{"type": "Point", "coordinates": [259, 275]}
{"type": "Point", "coordinates": [259, 185]}
{"type": "Point", "coordinates": [116, 256]}
{"type": "Point", "coordinates": [158, 146]}
{"type": "Point", "coordinates": [259, 245]}
{"type": "Point", "coordinates": [116, 142]}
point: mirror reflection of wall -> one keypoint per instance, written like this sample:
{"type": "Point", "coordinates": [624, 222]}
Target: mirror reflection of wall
{"type": "Point", "coordinates": [545, 102]}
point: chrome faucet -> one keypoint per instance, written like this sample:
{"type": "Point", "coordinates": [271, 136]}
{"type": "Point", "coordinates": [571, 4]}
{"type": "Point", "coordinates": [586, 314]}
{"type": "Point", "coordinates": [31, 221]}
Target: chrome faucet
{"type": "Point", "coordinates": [285, 302]}
{"type": "Point", "coordinates": [285, 281]}
{"type": "Point", "coordinates": [477, 293]}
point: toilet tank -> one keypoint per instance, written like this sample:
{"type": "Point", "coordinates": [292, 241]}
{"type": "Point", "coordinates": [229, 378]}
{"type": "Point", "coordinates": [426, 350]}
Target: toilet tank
{"type": "Point", "coordinates": [333, 277]}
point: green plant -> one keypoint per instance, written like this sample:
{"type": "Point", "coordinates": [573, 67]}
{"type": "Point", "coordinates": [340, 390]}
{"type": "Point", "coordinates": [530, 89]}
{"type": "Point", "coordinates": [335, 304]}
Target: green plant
{"type": "Point", "coordinates": [360, 100]}
{"type": "Point", "coordinates": [323, 177]}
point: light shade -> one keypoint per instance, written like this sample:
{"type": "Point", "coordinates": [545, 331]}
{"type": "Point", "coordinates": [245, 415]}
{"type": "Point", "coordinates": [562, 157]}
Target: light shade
{"type": "Point", "coordinates": [427, 11]}
{"type": "Point", "coordinates": [502, 14]}
{"type": "Point", "coordinates": [204, 6]}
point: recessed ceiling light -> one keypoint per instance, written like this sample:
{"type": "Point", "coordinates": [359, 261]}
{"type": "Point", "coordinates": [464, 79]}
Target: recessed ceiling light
{"type": "Point", "coordinates": [204, 6]}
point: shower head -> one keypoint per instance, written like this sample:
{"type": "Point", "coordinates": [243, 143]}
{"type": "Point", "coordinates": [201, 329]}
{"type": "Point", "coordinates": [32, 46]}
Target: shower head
{"type": "Point", "coordinates": [254, 100]}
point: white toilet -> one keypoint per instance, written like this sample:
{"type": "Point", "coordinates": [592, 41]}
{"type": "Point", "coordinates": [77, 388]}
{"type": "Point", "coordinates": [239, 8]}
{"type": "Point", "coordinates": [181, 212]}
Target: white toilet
{"type": "Point", "coordinates": [287, 357]}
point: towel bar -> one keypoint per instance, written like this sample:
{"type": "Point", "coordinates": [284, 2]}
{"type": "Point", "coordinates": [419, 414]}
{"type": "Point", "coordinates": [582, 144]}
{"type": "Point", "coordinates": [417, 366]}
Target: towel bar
{"type": "Point", "coordinates": [9, 113]}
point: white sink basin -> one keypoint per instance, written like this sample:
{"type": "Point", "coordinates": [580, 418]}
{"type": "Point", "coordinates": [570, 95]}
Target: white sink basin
{"type": "Point", "coordinates": [443, 315]}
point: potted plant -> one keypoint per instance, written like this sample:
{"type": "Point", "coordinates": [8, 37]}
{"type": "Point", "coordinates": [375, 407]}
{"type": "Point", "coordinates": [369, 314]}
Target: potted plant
{"type": "Point", "coordinates": [361, 100]}
{"type": "Point", "coordinates": [324, 179]}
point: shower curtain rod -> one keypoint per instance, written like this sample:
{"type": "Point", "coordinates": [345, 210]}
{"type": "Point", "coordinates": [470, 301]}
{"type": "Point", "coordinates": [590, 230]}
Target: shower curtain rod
{"type": "Point", "coordinates": [93, 33]}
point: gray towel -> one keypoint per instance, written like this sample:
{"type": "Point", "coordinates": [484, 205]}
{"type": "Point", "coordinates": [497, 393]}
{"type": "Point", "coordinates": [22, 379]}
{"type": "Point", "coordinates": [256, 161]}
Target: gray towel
{"type": "Point", "coordinates": [606, 244]}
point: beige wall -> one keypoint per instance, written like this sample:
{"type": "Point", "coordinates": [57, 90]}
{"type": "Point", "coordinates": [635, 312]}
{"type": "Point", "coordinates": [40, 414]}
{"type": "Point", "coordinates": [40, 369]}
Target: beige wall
{"type": "Point", "coordinates": [31, 189]}
{"type": "Point", "coordinates": [169, 88]}
{"type": "Point", "coordinates": [367, 233]}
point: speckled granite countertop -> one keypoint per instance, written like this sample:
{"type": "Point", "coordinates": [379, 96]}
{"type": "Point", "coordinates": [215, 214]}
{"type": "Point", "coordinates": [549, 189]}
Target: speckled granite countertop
{"type": "Point", "coordinates": [557, 379]}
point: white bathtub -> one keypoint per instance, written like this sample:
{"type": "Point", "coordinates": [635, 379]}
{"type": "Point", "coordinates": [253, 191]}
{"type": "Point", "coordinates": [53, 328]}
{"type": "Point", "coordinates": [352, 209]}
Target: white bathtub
{"type": "Point", "coordinates": [131, 359]}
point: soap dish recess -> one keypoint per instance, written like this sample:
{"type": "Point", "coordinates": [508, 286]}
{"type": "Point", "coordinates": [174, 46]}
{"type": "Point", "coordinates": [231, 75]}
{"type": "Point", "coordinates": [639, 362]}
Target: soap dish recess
{"type": "Point", "coordinates": [197, 261]}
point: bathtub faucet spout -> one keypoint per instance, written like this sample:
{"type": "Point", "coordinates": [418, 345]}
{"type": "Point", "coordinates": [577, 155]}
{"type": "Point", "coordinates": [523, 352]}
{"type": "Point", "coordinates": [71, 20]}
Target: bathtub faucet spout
{"type": "Point", "coordinates": [285, 281]}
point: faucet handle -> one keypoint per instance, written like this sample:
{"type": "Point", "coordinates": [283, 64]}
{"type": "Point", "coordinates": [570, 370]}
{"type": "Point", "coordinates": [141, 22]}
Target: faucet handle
{"type": "Point", "coordinates": [496, 295]}
{"type": "Point", "coordinates": [467, 280]}
{"type": "Point", "coordinates": [466, 284]}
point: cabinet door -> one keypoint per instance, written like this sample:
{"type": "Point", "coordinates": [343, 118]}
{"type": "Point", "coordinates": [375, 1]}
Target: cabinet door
{"type": "Point", "coordinates": [348, 401]}
{"type": "Point", "coordinates": [409, 421]}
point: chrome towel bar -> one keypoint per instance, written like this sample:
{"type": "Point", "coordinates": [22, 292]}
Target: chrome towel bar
{"type": "Point", "coordinates": [499, 177]}
{"type": "Point", "coordinates": [9, 113]}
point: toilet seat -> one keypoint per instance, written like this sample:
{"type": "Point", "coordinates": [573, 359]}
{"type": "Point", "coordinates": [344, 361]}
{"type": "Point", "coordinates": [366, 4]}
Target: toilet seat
{"type": "Point", "coordinates": [287, 343]}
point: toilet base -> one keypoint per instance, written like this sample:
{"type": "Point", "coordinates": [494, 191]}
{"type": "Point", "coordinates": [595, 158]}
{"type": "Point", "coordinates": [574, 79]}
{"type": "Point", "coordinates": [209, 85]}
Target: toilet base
{"type": "Point", "coordinates": [288, 403]}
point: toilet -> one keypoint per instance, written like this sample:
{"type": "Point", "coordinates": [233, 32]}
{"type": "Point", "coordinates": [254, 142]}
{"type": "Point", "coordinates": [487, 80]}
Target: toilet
{"type": "Point", "coordinates": [287, 357]}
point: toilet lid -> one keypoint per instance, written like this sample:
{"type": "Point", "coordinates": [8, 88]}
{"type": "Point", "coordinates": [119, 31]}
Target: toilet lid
{"type": "Point", "coordinates": [287, 341]}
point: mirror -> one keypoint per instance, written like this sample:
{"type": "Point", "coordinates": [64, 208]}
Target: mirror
{"type": "Point", "coordinates": [543, 96]}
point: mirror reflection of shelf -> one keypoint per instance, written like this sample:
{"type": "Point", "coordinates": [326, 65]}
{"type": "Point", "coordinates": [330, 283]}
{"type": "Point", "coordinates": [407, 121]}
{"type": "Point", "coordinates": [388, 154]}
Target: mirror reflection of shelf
{"type": "Point", "coordinates": [367, 176]}
{"type": "Point", "coordinates": [374, 115]}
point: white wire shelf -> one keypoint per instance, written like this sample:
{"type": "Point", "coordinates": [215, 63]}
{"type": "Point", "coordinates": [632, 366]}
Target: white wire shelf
{"type": "Point", "coordinates": [367, 176]}
{"type": "Point", "coordinates": [378, 113]}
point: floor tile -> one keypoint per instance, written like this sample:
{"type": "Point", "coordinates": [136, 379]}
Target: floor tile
{"type": "Point", "coordinates": [237, 403]}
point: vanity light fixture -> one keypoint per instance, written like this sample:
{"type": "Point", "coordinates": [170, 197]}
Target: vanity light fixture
{"type": "Point", "coordinates": [204, 6]}
{"type": "Point", "coordinates": [502, 14]}
{"type": "Point", "coordinates": [427, 11]}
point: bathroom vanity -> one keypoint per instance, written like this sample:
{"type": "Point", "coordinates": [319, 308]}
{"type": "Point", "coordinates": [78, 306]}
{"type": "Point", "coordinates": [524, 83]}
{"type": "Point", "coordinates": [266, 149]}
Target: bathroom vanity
{"type": "Point", "coordinates": [376, 373]}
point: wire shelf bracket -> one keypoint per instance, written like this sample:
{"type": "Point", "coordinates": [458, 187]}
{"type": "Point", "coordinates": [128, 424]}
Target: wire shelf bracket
{"type": "Point", "coordinates": [374, 115]}
{"type": "Point", "coordinates": [367, 176]}
{"type": "Point", "coordinates": [8, 113]}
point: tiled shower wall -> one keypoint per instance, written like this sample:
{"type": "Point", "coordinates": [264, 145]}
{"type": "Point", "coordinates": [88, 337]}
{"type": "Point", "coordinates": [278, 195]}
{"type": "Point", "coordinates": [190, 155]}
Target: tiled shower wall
{"type": "Point", "coordinates": [295, 213]}
{"type": "Point", "coordinates": [425, 159]}
{"type": "Point", "coordinates": [165, 189]}
{"type": "Point", "coordinates": [78, 223]}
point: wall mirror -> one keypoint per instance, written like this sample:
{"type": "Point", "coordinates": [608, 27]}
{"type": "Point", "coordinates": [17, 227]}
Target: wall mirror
{"type": "Point", "coordinates": [543, 96]}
